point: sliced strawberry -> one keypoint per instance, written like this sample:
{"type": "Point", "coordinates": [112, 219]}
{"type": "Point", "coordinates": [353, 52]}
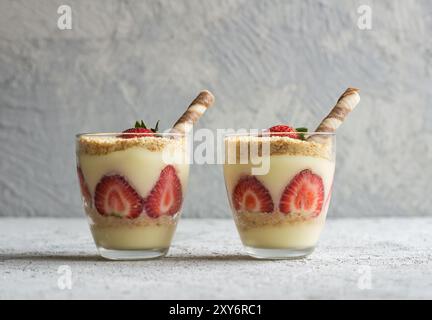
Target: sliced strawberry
{"type": "Point", "coordinates": [285, 131]}
{"type": "Point", "coordinates": [85, 192]}
{"type": "Point", "coordinates": [304, 195]}
{"type": "Point", "coordinates": [114, 196]}
{"type": "Point", "coordinates": [250, 195]}
{"type": "Point", "coordinates": [166, 196]}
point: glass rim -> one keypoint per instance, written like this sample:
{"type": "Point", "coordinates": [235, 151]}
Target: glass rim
{"type": "Point", "coordinates": [140, 134]}
{"type": "Point", "coordinates": [279, 133]}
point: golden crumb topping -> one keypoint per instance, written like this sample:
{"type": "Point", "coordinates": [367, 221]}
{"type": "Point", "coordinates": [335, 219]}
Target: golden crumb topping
{"type": "Point", "coordinates": [100, 145]}
{"type": "Point", "coordinates": [277, 145]}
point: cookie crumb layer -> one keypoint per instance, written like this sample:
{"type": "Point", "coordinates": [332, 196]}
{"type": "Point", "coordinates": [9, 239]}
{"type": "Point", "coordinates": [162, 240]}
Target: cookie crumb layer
{"type": "Point", "coordinates": [277, 145]}
{"type": "Point", "coordinates": [143, 220]}
{"type": "Point", "coordinates": [250, 220]}
{"type": "Point", "coordinates": [101, 145]}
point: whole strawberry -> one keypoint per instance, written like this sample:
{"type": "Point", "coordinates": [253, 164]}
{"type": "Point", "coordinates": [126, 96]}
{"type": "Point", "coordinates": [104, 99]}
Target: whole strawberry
{"type": "Point", "coordinates": [287, 131]}
{"type": "Point", "coordinates": [140, 130]}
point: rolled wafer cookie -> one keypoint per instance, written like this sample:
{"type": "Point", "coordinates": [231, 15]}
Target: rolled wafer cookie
{"type": "Point", "coordinates": [196, 109]}
{"type": "Point", "coordinates": [345, 104]}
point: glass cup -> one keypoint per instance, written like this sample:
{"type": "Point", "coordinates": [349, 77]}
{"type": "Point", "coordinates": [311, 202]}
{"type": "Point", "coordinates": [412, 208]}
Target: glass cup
{"type": "Point", "coordinates": [132, 187]}
{"type": "Point", "coordinates": [279, 190]}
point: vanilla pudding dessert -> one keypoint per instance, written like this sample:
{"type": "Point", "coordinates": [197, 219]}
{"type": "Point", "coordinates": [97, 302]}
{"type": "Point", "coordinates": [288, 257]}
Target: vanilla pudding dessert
{"type": "Point", "coordinates": [133, 184]}
{"type": "Point", "coordinates": [132, 188]}
{"type": "Point", "coordinates": [279, 183]}
{"type": "Point", "coordinates": [280, 213]}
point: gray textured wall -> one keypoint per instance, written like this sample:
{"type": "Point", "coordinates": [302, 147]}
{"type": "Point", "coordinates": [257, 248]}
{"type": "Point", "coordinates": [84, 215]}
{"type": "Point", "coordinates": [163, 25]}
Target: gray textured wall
{"type": "Point", "coordinates": [266, 61]}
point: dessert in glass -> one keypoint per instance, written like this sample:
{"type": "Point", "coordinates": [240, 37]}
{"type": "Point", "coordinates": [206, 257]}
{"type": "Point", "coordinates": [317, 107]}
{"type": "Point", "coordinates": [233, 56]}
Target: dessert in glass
{"type": "Point", "coordinates": [280, 214]}
{"type": "Point", "coordinates": [132, 190]}
{"type": "Point", "coordinates": [133, 185]}
{"type": "Point", "coordinates": [279, 183]}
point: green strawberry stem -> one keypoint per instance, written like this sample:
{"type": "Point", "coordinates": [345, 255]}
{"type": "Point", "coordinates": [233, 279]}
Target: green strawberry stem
{"type": "Point", "coordinates": [156, 128]}
{"type": "Point", "coordinates": [142, 125]}
{"type": "Point", "coordinates": [302, 131]}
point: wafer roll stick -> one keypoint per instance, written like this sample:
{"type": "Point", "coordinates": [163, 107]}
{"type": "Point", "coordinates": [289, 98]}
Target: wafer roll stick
{"type": "Point", "coordinates": [196, 109]}
{"type": "Point", "coordinates": [346, 103]}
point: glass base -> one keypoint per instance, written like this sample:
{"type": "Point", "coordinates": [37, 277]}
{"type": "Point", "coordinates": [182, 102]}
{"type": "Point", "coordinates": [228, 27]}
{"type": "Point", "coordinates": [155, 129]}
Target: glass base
{"type": "Point", "coordinates": [278, 254]}
{"type": "Point", "coordinates": [132, 254]}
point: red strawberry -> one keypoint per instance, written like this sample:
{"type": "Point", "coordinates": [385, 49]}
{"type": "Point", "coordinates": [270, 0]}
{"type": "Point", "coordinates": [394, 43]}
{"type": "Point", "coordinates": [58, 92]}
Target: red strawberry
{"type": "Point", "coordinates": [284, 131]}
{"type": "Point", "coordinates": [303, 196]}
{"type": "Point", "coordinates": [115, 196]}
{"type": "Point", "coordinates": [250, 195]}
{"type": "Point", "coordinates": [140, 130]}
{"type": "Point", "coordinates": [85, 192]}
{"type": "Point", "coordinates": [166, 196]}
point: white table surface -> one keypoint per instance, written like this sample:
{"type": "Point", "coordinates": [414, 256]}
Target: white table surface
{"type": "Point", "coordinates": [356, 258]}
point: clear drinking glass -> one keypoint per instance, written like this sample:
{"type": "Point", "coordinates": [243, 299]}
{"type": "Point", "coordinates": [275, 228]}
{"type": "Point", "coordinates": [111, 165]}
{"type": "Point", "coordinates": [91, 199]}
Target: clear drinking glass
{"type": "Point", "coordinates": [279, 190]}
{"type": "Point", "coordinates": [132, 187]}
